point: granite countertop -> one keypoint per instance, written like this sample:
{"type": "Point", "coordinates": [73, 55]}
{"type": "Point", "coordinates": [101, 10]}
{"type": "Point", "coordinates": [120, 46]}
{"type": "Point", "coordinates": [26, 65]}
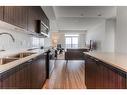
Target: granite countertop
{"type": "Point", "coordinates": [15, 63]}
{"type": "Point", "coordinates": [118, 60]}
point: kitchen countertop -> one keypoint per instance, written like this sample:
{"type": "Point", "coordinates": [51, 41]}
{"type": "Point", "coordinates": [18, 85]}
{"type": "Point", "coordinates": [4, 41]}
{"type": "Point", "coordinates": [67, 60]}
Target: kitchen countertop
{"type": "Point", "coordinates": [117, 60]}
{"type": "Point", "coordinates": [15, 63]}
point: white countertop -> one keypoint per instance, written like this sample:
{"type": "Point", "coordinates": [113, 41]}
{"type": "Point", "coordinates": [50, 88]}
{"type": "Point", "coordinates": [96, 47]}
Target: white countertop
{"type": "Point", "coordinates": [15, 63]}
{"type": "Point", "coordinates": [117, 60]}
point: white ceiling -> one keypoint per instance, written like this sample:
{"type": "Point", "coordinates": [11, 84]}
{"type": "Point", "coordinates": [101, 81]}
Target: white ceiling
{"type": "Point", "coordinates": [75, 23]}
{"type": "Point", "coordinates": [85, 11]}
{"type": "Point", "coordinates": [78, 17]}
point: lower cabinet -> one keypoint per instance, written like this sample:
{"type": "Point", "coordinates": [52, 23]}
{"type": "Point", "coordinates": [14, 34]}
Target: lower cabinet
{"type": "Point", "coordinates": [38, 73]}
{"type": "Point", "coordinates": [100, 75]}
{"type": "Point", "coordinates": [31, 74]}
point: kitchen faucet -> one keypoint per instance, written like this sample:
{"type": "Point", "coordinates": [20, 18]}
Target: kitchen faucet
{"type": "Point", "coordinates": [9, 35]}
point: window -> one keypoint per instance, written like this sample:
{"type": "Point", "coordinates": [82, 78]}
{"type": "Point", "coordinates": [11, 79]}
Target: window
{"type": "Point", "coordinates": [71, 41]}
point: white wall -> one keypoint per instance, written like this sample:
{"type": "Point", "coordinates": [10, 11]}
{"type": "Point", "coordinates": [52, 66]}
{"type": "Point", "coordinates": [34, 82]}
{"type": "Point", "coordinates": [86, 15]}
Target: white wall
{"type": "Point", "coordinates": [110, 35]}
{"type": "Point", "coordinates": [97, 34]}
{"type": "Point", "coordinates": [121, 30]}
{"type": "Point", "coordinates": [22, 40]}
{"type": "Point", "coordinates": [103, 34]}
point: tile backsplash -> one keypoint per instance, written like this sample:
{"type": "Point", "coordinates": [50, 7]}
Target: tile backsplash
{"type": "Point", "coordinates": [22, 39]}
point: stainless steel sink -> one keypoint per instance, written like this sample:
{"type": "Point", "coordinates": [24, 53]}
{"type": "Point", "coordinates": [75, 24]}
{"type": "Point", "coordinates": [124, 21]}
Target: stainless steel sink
{"type": "Point", "coordinates": [21, 55]}
{"type": "Point", "coordinates": [7, 60]}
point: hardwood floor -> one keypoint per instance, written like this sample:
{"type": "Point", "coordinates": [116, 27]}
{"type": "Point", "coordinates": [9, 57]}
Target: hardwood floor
{"type": "Point", "coordinates": [67, 76]}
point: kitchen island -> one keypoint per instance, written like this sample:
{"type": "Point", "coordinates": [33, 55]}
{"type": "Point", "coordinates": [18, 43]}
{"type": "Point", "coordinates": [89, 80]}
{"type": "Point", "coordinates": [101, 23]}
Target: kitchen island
{"type": "Point", "coordinates": [105, 70]}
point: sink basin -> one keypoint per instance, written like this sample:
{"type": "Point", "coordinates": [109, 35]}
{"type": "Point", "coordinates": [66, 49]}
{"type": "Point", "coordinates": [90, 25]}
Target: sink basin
{"type": "Point", "coordinates": [7, 60]}
{"type": "Point", "coordinates": [21, 55]}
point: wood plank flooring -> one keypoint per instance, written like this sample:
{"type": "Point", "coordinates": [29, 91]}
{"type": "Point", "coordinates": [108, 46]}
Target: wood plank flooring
{"type": "Point", "coordinates": [67, 76]}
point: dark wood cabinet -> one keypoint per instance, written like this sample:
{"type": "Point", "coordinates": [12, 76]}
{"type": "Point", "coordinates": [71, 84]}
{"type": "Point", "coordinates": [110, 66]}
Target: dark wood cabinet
{"type": "Point", "coordinates": [90, 73]}
{"type": "Point", "coordinates": [113, 78]}
{"type": "Point", "coordinates": [32, 17]}
{"type": "Point", "coordinates": [75, 54]}
{"type": "Point", "coordinates": [8, 81]}
{"type": "Point", "coordinates": [38, 72]}
{"type": "Point", "coordinates": [31, 74]}
{"type": "Point", "coordinates": [100, 75]}
{"type": "Point", "coordinates": [16, 15]}
{"type": "Point", "coordinates": [23, 16]}
{"type": "Point", "coordinates": [1, 12]}
{"type": "Point", "coordinates": [36, 13]}
{"type": "Point", "coordinates": [17, 77]}
{"type": "Point", "coordinates": [9, 14]}
{"type": "Point", "coordinates": [22, 76]}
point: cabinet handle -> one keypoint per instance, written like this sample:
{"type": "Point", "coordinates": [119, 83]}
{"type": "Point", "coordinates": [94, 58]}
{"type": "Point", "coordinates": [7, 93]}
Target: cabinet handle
{"type": "Point", "coordinates": [96, 60]}
{"type": "Point", "coordinates": [91, 57]}
{"type": "Point", "coordinates": [30, 60]}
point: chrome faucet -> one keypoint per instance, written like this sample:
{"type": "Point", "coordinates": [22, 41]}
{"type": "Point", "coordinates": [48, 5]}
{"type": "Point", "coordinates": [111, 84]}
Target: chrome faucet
{"type": "Point", "coordinates": [2, 50]}
{"type": "Point", "coordinates": [9, 35]}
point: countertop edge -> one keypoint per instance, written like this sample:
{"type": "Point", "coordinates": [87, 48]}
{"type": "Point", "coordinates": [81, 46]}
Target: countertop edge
{"type": "Point", "coordinates": [8, 66]}
{"type": "Point", "coordinates": [107, 62]}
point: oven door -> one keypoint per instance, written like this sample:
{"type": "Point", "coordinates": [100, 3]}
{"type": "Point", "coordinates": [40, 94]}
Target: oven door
{"type": "Point", "coordinates": [52, 60]}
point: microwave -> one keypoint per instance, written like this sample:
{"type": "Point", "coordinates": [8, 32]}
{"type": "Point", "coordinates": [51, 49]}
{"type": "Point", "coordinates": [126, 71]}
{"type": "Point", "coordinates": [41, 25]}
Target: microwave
{"type": "Point", "coordinates": [42, 28]}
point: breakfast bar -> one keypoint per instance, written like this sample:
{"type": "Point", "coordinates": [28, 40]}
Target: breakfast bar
{"type": "Point", "coordinates": [105, 70]}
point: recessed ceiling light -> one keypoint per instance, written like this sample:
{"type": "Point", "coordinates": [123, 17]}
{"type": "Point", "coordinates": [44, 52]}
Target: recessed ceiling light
{"type": "Point", "coordinates": [86, 30]}
{"type": "Point", "coordinates": [81, 14]}
{"type": "Point", "coordinates": [99, 15]}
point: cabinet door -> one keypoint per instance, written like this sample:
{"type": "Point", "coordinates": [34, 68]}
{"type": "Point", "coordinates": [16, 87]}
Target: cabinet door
{"type": "Point", "coordinates": [32, 17]}
{"type": "Point", "coordinates": [9, 14]}
{"type": "Point", "coordinates": [90, 73]}
{"type": "Point", "coordinates": [36, 13]}
{"type": "Point", "coordinates": [113, 78]}
{"type": "Point", "coordinates": [22, 76]}
{"type": "Point", "coordinates": [20, 14]}
{"type": "Point", "coordinates": [99, 75]}
{"type": "Point", "coordinates": [8, 79]}
{"type": "Point", "coordinates": [16, 15]}
{"type": "Point", "coordinates": [1, 12]}
{"type": "Point", "coordinates": [103, 76]}
{"type": "Point", "coordinates": [18, 77]}
{"type": "Point", "coordinates": [38, 74]}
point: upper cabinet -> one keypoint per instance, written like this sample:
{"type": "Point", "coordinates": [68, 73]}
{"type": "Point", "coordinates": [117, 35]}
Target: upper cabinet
{"type": "Point", "coordinates": [1, 12]}
{"type": "Point", "coordinates": [32, 17]}
{"type": "Point", "coordinates": [36, 13]}
{"type": "Point", "coordinates": [23, 16]}
{"type": "Point", "coordinates": [9, 15]}
{"type": "Point", "coordinates": [16, 15]}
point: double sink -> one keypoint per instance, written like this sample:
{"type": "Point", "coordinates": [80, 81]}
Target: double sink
{"type": "Point", "coordinates": [15, 57]}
